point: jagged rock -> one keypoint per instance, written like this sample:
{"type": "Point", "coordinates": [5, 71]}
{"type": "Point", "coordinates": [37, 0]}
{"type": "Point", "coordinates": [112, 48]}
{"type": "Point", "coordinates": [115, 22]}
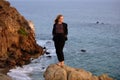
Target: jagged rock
{"type": "Point", "coordinates": [55, 72]}
{"type": "Point", "coordinates": [17, 36]}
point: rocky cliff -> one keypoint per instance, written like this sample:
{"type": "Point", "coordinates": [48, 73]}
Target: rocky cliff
{"type": "Point", "coordinates": [17, 40]}
{"type": "Point", "coordinates": [55, 72]}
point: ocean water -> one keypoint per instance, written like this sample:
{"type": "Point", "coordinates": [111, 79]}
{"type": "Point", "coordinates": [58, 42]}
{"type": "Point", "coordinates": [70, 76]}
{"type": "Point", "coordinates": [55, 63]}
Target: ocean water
{"type": "Point", "coordinates": [101, 41]}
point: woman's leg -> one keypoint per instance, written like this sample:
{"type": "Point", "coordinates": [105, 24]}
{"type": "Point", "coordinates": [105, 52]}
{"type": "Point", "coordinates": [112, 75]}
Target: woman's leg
{"type": "Point", "coordinates": [59, 45]}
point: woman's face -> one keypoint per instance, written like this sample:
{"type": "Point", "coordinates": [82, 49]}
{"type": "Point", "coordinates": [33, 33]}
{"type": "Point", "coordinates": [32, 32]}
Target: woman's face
{"type": "Point", "coordinates": [61, 19]}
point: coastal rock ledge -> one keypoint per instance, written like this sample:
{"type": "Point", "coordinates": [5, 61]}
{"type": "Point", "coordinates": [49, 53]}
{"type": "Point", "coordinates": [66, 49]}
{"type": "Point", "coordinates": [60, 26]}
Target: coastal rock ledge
{"type": "Point", "coordinates": [55, 72]}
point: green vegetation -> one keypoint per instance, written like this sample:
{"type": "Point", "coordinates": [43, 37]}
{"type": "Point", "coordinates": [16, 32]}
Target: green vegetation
{"type": "Point", "coordinates": [22, 31]}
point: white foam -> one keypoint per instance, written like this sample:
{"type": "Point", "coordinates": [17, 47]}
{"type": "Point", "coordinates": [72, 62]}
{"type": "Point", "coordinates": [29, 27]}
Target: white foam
{"type": "Point", "coordinates": [21, 73]}
{"type": "Point", "coordinates": [18, 75]}
{"type": "Point", "coordinates": [37, 65]}
{"type": "Point", "coordinates": [49, 46]}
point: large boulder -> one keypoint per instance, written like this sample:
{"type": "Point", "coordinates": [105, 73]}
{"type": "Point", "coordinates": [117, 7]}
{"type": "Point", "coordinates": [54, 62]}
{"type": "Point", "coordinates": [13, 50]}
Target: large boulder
{"type": "Point", "coordinates": [17, 37]}
{"type": "Point", "coordinates": [55, 72]}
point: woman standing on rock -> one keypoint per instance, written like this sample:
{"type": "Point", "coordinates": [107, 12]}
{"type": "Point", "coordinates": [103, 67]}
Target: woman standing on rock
{"type": "Point", "coordinates": [60, 32]}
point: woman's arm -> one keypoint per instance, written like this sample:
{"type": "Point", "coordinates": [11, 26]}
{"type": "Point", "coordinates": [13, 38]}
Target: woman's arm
{"type": "Point", "coordinates": [53, 31]}
{"type": "Point", "coordinates": [66, 29]}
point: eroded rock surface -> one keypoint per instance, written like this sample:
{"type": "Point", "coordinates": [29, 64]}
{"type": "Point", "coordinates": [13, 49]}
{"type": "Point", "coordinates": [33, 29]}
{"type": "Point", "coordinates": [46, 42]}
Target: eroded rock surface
{"type": "Point", "coordinates": [17, 37]}
{"type": "Point", "coordinates": [55, 72]}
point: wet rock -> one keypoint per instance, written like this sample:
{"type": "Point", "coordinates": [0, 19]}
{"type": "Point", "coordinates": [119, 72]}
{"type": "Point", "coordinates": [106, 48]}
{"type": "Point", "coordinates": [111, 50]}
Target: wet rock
{"type": "Point", "coordinates": [47, 53]}
{"type": "Point", "coordinates": [82, 50]}
{"type": "Point", "coordinates": [55, 72]}
{"type": "Point", "coordinates": [43, 67]}
{"type": "Point", "coordinates": [97, 22]}
{"type": "Point", "coordinates": [49, 56]}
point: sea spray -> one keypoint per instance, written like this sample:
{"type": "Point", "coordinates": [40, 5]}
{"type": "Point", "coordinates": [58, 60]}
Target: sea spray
{"type": "Point", "coordinates": [37, 66]}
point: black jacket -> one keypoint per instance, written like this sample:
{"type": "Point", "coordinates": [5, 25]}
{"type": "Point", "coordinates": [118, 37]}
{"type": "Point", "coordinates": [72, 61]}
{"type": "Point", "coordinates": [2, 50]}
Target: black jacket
{"type": "Point", "coordinates": [65, 30]}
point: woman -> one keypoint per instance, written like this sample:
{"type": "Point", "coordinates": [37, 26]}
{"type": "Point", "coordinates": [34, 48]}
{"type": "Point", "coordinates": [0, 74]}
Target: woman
{"type": "Point", "coordinates": [60, 33]}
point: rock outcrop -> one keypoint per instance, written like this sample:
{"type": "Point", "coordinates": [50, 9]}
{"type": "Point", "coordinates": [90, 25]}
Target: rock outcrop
{"type": "Point", "coordinates": [55, 72]}
{"type": "Point", "coordinates": [17, 40]}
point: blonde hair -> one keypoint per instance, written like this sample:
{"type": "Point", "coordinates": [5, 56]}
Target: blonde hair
{"type": "Point", "coordinates": [58, 17]}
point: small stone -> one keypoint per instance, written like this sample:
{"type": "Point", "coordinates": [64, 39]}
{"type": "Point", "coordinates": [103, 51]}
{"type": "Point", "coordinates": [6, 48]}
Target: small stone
{"type": "Point", "coordinates": [43, 67]}
{"type": "Point", "coordinates": [97, 22]}
{"type": "Point", "coordinates": [47, 53]}
{"type": "Point", "coordinates": [49, 56]}
{"type": "Point", "coordinates": [82, 50]}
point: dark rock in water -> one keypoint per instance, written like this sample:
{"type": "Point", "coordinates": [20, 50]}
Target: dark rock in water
{"type": "Point", "coordinates": [97, 22]}
{"type": "Point", "coordinates": [44, 47]}
{"type": "Point", "coordinates": [49, 56]}
{"type": "Point", "coordinates": [44, 50]}
{"type": "Point", "coordinates": [82, 50]}
{"type": "Point", "coordinates": [43, 67]}
{"type": "Point", "coordinates": [102, 23]}
{"type": "Point", "coordinates": [48, 42]}
{"type": "Point", "coordinates": [47, 53]}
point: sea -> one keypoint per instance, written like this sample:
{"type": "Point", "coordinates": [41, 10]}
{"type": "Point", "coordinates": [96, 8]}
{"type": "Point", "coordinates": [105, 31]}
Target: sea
{"type": "Point", "coordinates": [93, 35]}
